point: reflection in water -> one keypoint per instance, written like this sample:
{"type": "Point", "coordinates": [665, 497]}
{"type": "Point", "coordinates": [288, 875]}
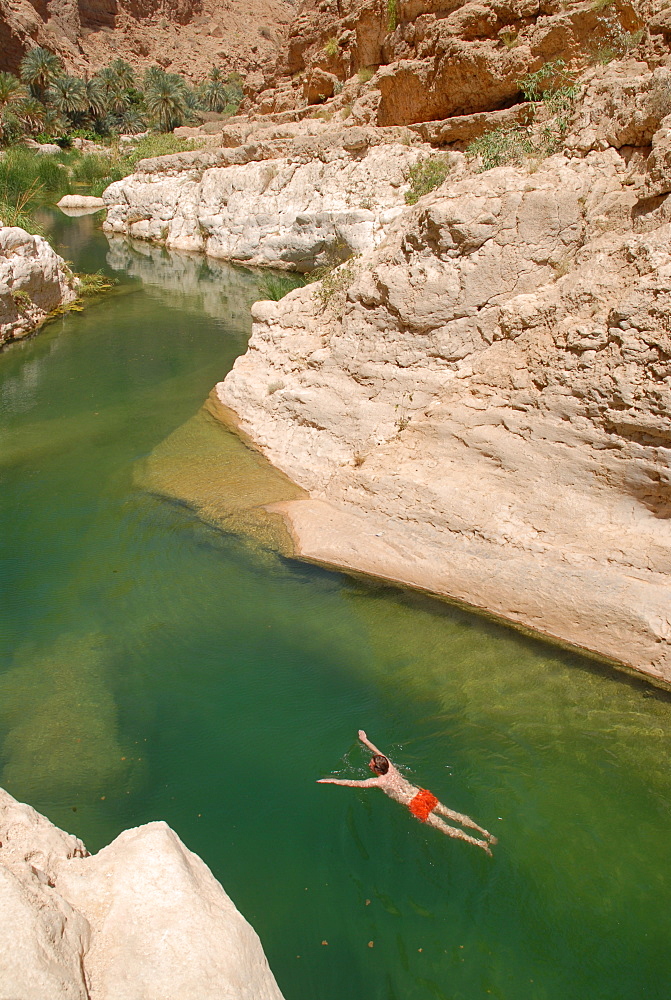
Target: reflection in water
{"type": "Point", "coordinates": [130, 628]}
{"type": "Point", "coordinates": [188, 280]}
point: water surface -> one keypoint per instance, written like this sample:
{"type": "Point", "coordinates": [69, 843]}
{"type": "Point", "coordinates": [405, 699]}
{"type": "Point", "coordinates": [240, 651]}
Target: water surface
{"type": "Point", "coordinates": [157, 666]}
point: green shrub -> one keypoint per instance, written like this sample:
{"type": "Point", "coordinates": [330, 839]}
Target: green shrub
{"type": "Point", "coordinates": [52, 175]}
{"type": "Point", "coordinates": [502, 145]}
{"type": "Point", "coordinates": [551, 78]}
{"type": "Point", "coordinates": [426, 176]}
{"type": "Point", "coordinates": [334, 281]}
{"type": "Point", "coordinates": [365, 74]}
{"type": "Point", "coordinates": [94, 284]}
{"type": "Point", "coordinates": [331, 48]}
{"type": "Point", "coordinates": [22, 300]}
{"type": "Point", "coordinates": [91, 167]}
{"type": "Point", "coordinates": [15, 215]}
{"type": "Point", "coordinates": [509, 38]}
{"type": "Point", "coordinates": [276, 286]}
{"type": "Point", "coordinates": [158, 144]}
{"type": "Point", "coordinates": [392, 14]}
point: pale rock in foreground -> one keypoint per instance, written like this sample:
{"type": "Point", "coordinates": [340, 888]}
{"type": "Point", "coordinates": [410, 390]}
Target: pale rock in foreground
{"type": "Point", "coordinates": [144, 919]}
{"type": "Point", "coordinates": [34, 281]}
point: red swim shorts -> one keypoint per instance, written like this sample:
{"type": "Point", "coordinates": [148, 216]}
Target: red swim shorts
{"type": "Point", "coordinates": [423, 804]}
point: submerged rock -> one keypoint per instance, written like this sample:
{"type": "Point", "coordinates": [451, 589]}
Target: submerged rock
{"type": "Point", "coordinates": [142, 919]}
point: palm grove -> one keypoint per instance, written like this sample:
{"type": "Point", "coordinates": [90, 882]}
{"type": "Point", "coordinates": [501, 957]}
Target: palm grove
{"type": "Point", "coordinates": [45, 102]}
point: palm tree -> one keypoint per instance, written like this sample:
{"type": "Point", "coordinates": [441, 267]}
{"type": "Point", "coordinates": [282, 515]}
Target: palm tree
{"type": "Point", "coordinates": [215, 96]}
{"type": "Point", "coordinates": [166, 100]}
{"type": "Point", "coordinates": [11, 90]}
{"type": "Point", "coordinates": [32, 115]}
{"type": "Point", "coordinates": [67, 94]}
{"type": "Point", "coordinates": [12, 95]}
{"type": "Point", "coordinates": [95, 98]}
{"type": "Point", "coordinates": [53, 123]}
{"type": "Point", "coordinates": [130, 122]}
{"type": "Point", "coordinates": [39, 68]}
{"type": "Point", "coordinates": [114, 93]}
{"type": "Point", "coordinates": [123, 72]}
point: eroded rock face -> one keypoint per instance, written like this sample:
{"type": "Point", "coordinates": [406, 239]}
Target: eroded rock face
{"type": "Point", "coordinates": [298, 203]}
{"type": "Point", "coordinates": [143, 918]}
{"type": "Point", "coordinates": [430, 61]}
{"type": "Point", "coordinates": [182, 36]}
{"type": "Point", "coordinates": [34, 281]}
{"type": "Point", "coordinates": [486, 410]}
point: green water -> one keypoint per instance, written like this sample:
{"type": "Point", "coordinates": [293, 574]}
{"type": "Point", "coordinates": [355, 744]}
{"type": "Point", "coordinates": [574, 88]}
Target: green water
{"type": "Point", "coordinates": [154, 666]}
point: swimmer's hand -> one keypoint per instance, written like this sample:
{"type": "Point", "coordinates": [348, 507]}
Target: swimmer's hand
{"type": "Point", "coordinates": [362, 736]}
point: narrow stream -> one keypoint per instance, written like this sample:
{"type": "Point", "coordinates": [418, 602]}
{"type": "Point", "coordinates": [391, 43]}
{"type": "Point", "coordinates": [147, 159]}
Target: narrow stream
{"type": "Point", "coordinates": [156, 666]}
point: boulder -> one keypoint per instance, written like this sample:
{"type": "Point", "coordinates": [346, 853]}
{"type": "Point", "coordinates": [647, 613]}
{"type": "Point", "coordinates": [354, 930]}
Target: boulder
{"type": "Point", "coordinates": [34, 281]}
{"type": "Point", "coordinates": [81, 203]}
{"type": "Point", "coordinates": [144, 919]}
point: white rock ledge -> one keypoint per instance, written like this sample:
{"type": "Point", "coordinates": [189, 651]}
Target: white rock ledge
{"type": "Point", "coordinates": [484, 409]}
{"type": "Point", "coordinates": [144, 919]}
{"type": "Point", "coordinates": [285, 206]}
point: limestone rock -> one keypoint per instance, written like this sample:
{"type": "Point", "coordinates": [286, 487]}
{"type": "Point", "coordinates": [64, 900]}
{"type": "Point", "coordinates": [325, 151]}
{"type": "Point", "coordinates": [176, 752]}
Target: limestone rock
{"type": "Point", "coordinates": [623, 104]}
{"type": "Point", "coordinates": [144, 918]}
{"type": "Point", "coordinates": [298, 203]}
{"type": "Point", "coordinates": [484, 409]}
{"type": "Point", "coordinates": [162, 926]}
{"type": "Point", "coordinates": [81, 202]}
{"type": "Point", "coordinates": [34, 280]}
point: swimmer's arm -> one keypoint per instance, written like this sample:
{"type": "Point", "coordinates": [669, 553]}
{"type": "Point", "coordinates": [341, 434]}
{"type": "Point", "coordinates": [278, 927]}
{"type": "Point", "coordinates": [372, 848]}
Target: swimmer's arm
{"type": "Point", "coordinates": [371, 746]}
{"type": "Point", "coordinates": [365, 783]}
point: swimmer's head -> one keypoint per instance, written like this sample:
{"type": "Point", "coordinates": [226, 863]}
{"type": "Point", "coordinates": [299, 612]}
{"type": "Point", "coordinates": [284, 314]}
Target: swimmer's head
{"type": "Point", "coordinates": [378, 764]}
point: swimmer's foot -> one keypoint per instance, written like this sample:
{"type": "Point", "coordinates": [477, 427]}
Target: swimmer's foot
{"type": "Point", "coordinates": [492, 839]}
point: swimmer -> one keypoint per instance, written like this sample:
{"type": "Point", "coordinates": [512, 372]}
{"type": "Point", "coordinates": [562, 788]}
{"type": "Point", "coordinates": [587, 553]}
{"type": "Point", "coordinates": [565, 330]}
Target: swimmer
{"type": "Point", "coordinates": [421, 803]}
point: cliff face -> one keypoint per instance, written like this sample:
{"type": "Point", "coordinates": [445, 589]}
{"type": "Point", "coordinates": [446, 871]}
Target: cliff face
{"type": "Point", "coordinates": [183, 36]}
{"type": "Point", "coordinates": [408, 61]}
{"type": "Point", "coordinates": [143, 917]}
{"type": "Point", "coordinates": [287, 197]}
{"type": "Point", "coordinates": [479, 404]}
{"type": "Point", "coordinates": [483, 407]}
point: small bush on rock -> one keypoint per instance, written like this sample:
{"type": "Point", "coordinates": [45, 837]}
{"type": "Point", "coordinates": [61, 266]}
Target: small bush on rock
{"type": "Point", "coordinates": [276, 286]}
{"type": "Point", "coordinates": [426, 176]}
{"type": "Point", "coordinates": [501, 146]}
{"type": "Point", "coordinates": [335, 284]}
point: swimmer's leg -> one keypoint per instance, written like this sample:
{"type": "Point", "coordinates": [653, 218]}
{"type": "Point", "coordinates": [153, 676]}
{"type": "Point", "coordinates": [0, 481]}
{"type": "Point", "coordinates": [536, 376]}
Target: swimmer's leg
{"type": "Point", "coordinates": [465, 821]}
{"type": "Point", "coordinates": [451, 831]}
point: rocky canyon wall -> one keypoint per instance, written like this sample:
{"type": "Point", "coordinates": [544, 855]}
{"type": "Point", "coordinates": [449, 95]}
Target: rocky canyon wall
{"type": "Point", "coordinates": [142, 918]}
{"type": "Point", "coordinates": [478, 402]}
{"type": "Point", "coordinates": [182, 36]}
